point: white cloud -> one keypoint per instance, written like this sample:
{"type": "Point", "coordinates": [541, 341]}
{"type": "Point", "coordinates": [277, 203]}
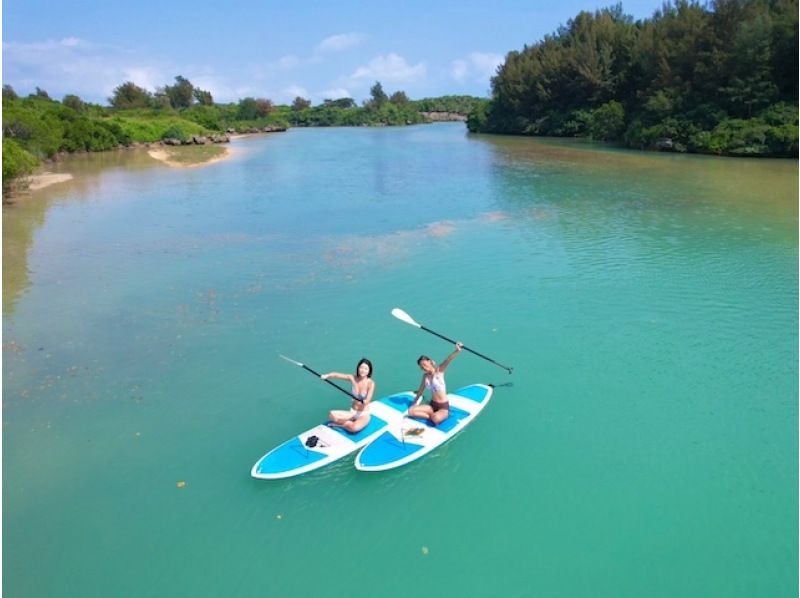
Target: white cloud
{"type": "Point", "coordinates": [70, 65]}
{"type": "Point", "coordinates": [391, 68]}
{"type": "Point", "coordinates": [293, 91]}
{"type": "Point", "coordinates": [144, 76]}
{"type": "Point", "coordinates": [342, 41]}
{"type": "Point", "coordinates": [459, 70]}
{"type": "Point", "coordinates": [477, 66]}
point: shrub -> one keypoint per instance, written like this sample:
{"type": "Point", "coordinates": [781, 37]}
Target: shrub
{"type": "Point", "coordinates": [16, 162]}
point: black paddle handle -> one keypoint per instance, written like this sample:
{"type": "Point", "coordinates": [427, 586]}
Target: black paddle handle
{"type": "Point", "coordinates": [336, 386]}
{"type": "Point", "coordinates": [468, 349]}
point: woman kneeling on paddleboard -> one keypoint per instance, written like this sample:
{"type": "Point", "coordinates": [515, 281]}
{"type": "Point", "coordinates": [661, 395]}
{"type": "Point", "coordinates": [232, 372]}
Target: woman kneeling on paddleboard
{"type": "Point", "coordinates": [433, 379]}
{"type": "Point", "coordinates": [363, 387]}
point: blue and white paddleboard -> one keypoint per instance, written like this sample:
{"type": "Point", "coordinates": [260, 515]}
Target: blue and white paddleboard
{"type": "Point", "coordinates": [410, 438]}
{"type": "Point", "coordinates": [324, 444]}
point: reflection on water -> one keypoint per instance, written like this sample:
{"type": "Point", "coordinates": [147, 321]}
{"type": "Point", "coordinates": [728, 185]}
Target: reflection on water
{"type": "Point", "coordinates": [26, 212]}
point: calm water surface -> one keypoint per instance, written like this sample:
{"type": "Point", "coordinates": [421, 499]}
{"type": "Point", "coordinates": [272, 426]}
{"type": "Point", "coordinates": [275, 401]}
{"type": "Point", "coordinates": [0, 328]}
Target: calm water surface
{"type": "Point", "coordinates": [648, 303]}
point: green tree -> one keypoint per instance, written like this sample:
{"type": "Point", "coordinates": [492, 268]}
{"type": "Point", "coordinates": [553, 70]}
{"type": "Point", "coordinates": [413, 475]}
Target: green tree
{"type": "Point", "coordinates": [608, 121]}
{"type": "Point", "coordinates": [181, 94]}
{"type": "Point", "coordinates": [247, 109]}
{"type": "Point", "coordinates": [73, 102]}
{"type": "Point", "coordinates": [203, 97]}
{"type": "Point", "coordinates": [378, 97]}
{"type": "Point", "coordinates": [340, 103]}
{"type": "Point", "coordinates": [300, 104]}
{"type": "Point", "coordinates": [399, 98]}
{"type": "Point", "coordinates": [16, 162]}
{"type": "Point", "coordinates": [263, 107]}
{"type": "Point", "coordinates": [128, 96]}
{"type": "Point", "coordinates": [9, 93]}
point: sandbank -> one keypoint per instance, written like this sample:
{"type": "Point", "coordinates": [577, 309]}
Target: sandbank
{"type": "Point", "coordinates": [163, 155]}
{"type": "Point", "coordinates": [40, 181]}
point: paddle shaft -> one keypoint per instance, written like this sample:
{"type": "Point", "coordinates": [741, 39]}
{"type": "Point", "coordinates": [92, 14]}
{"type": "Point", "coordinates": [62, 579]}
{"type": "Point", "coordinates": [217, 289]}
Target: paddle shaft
{"type": "Point", "coordinates": [336, 386]}
{"type": "Point", "coordinates": [426, 329]}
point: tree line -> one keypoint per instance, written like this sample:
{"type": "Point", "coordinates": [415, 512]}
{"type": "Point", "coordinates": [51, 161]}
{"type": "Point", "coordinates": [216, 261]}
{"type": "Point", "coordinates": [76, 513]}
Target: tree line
{"type": "Point", "coordinates": [720, 78]}
{"type": "Point", "coordinates": [38, 127]}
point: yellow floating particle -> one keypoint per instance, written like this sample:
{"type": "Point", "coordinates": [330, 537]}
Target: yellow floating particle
{"type": "Point", "coordinates": [424, 550]}
{"type": "Point", "coordinates": [181, 484]}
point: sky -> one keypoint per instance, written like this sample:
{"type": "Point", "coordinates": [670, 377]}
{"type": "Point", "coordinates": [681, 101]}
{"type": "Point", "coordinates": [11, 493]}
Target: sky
{"type": "Point", "coordinates": [276, 50]}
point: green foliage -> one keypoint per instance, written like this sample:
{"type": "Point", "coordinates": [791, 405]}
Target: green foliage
{"type": "Point", "coordinates": [209, 117]}
{"type": "Point", "coordinates": [263, 107]}
{"type": "Point", "coordinates": [300, 104]}
{"type": "Point", "coordinates": [340, 103]}
{"type": "Point", "coordinates": [9, 93]}
{"type": "Point", "coordinates": [691, 78]}
{"type": "Point", "coordinates": [154, 127]}
{"type": "Point", "coordinates": [248, 109]}
{"type": "Point", "coordinates": [399, 98]}
{"type": "Point", "coordinates": [34, 124]}
{"type": "Point", "coordinates": [88, 135]}
{"type": "Point", "coordinates": [378, 97]}
{"type": "Point", "coordinates": [181, 94]}
{"type": "Point", "coordinates": [16, 162]}
{"type": "Point", "coordinates": [608, 121]}
{"type": "Point", "coordinates": [74, 102]}
{"type": "Point", "coordinates": [175, 132]}
{"type": "Point", "coordinates": [344, 113]}
{"type": "Point", "coordinates": [128, 96]}
{"type": "Point", "coordinates": [203, 97]}
{"type": "Point", "coordinates": [463, 105]}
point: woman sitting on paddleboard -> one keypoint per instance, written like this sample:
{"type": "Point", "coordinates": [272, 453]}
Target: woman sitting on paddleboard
{"type": "Point", "coordinates": [363, 387]}
{"type": "Point", "coordinates": [433, 379]}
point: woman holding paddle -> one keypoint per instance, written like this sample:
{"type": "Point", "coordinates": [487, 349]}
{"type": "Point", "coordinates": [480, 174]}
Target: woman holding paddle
{"type": "Point", "coordinates": [363, 388]}
{"type": "Point", "coordinates": [433, 379]}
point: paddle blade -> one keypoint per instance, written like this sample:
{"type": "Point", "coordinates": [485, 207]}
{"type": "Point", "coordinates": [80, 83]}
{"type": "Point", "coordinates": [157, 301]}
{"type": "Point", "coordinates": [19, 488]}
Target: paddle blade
{"type": "Point", "coordinates": [401, 315]}
{"type": "Point", "coordinates": [290, 360]}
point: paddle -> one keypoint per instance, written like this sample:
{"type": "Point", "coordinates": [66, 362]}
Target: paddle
{"type": "Point", "coordinates": [318, 375]}
{"type": "Point", "coordinates": [403, 316]}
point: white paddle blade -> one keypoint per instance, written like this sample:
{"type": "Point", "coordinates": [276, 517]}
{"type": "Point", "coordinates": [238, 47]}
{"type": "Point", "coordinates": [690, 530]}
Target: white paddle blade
{"type": "Point", "coordinates": [290, 360]}
{"type": "Point", "coordinates": [401, 315]}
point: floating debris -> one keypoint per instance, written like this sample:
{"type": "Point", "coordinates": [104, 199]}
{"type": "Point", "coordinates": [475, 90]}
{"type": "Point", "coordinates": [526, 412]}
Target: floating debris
{"type": "Point", "coordinates": [425, 551]}
{"type": "Point", "coordinates": [278, 516]}
{"type": "Point", "coordinates": [181, 484]}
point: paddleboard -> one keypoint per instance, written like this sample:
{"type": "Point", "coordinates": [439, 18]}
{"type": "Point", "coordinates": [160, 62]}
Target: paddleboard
{"type": "Point", "coordinates": [324, 444]}
{"type": "Point", "coordinates": [410, 438]}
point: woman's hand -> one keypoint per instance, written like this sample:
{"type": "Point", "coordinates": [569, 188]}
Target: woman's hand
{"type": "Point", "coordinates": [459, 345]}
{"type": "Point", "coordinates": [324, 376]}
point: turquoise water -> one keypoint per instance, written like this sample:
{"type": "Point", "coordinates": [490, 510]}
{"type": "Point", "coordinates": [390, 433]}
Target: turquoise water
{"type": "Point", "coordinates": [648, 304]}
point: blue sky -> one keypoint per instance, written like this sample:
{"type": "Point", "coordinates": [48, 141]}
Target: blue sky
{"type": "Point", "coordinates": [277, 50]}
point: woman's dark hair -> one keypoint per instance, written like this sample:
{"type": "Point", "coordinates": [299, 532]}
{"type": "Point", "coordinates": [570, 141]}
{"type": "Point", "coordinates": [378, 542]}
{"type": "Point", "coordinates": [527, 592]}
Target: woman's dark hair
{"type": "Point", "coordinates": [369, 365]}
{"type": "Point", "coordinates": [423, 358]}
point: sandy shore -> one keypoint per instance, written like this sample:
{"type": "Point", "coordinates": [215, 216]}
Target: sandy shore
{"type": "Point", "coordinates": [40, 181]}
{"type": "Point", "coordinates": [163, 156]}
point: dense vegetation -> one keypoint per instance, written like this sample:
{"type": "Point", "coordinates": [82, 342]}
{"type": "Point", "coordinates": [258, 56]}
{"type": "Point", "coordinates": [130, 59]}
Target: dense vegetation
{"type": "Point", "coordinates": [37, 127]}
{"type": "Point", "coordinates": [719, 78]}
{"type": "Point", "coordinates": [379, 109]}
{"type": "Point", "coordinates": [456, 104]}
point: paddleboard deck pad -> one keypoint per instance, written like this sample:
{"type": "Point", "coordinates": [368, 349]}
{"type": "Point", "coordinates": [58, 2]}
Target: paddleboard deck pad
{"type": "Point", "coordinates": [324, 444]}
{"type": "Point", "coordinates": [410, 438]}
